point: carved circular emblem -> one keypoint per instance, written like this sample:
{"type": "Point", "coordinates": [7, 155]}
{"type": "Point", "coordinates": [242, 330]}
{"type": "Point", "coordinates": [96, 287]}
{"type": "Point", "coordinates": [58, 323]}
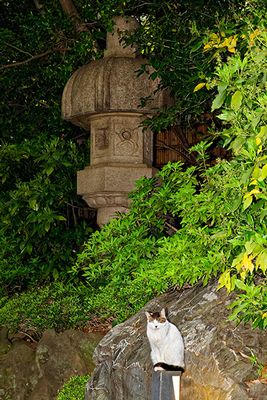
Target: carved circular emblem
{"type": "Point", "coordinates": [126, 135]}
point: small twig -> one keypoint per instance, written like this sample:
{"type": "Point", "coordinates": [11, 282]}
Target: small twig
{"type": "Point", "coordinates": [74, 215]}
{"type": "Point", "coordinates": [18, 63]}
{"type": "Point", "coordinates": [92, 24]}
{"type": "Point", "coordinates": [72, 205]}
{"type": "Point", "coordinates": [16, 48]}
{"type": "Point", "coordinates": [39, 6]}
{"type": "Point", "coordinates": [37, 56]}
{"type": "Point", "coordinates": [29, 336]}
{"type": "Point", "coordinates": [176, 150]}
{"type": "Point", "coordinates": [167, 146]}
{"type": "Point", "coordinates": [138, 6]}
{"type": "Point", "coordinates": [171, 227]}
{"type": "Point", "coordinates": [16, 105]}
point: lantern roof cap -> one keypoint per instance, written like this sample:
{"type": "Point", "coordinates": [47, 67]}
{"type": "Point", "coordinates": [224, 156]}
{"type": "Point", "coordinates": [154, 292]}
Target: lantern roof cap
{"type": "Point", "coordinates": [111, 84]}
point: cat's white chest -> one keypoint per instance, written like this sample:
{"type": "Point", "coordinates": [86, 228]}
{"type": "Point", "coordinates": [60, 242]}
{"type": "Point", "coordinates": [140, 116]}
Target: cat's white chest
{"type": "Point", "coordinates": [156, 335]}
{"type": "Point", "coordinates": [166, 344]}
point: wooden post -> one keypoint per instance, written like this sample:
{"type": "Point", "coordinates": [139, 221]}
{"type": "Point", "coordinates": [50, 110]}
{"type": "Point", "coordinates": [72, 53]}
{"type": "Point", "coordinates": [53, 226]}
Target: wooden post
{"type": "Point", "coordinates": [166, 385]}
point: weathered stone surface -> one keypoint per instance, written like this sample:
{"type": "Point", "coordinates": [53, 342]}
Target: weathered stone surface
{"type": "Point", "coordinates": [104, 98]}
{"type": "Point", "coordinates": [37, 372]}
{"type": "Point", "coordinates": [218, 365]}
{"type": "Point", "coordinates": [111, 84]}
{"type": "Point", "coordinates": [106, 187]}
{"type": "Point", "coordinates": [5, 344]}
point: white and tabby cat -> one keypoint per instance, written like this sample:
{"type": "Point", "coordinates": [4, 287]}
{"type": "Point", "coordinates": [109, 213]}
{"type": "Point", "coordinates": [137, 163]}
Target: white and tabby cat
{"type": "Point", "coordinates": [166, 342]}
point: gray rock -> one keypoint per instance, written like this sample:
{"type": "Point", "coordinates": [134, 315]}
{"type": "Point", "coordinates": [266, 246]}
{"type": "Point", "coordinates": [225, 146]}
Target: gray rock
{"type": "Point", "coordinates": [16, 370]}
{"type": "Point", "coordinates": [5, 344]}
{"type": "Point", "coordinates": [37, 372]}
{"type": "Point", "coordinates": [218, 365]}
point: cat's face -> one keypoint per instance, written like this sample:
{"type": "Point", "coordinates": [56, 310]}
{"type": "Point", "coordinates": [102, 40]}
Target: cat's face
{"type": "Point", "coordinates": [156, 320]}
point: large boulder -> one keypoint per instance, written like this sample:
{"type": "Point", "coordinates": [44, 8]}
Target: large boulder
{"type": "Point", "coordinates": [219, 354]}
{"type": "Point", "coordinates": [35, 371]}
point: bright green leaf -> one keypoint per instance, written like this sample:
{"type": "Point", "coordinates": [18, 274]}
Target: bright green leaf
{"type": "Point", "coordinates": [247, 201]}
{"type": "Point", "coordinates": [33, 204]}
{"type": "Point", "coordinates": [264, 172]}
{"type": "Point", "coordinates": [236, 100]}
{"type": "Point", "coordinates": [49, 170]}
{"type": "Point", "coordinates": [218, 101]}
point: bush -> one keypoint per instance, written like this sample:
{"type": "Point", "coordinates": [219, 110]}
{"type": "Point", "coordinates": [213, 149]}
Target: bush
{"type": "Point", "coordinates": [218, 212]}
{"type": "Point", "coordinates": [74, 389]}
{"type": "Point", "coordinates": [242, 101]}
{"type": "Point", "coordinates": [37, 236]}
{"type": "Point", "coordinates": [133, 259]}
{"type": "Point", "coordinates": [39, 156]}
{"type": "Point", "coordinates": [57, 306]}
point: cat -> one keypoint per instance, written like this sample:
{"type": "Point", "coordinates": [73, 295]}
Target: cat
{"type": "Point", "coordinates": [166, 342]}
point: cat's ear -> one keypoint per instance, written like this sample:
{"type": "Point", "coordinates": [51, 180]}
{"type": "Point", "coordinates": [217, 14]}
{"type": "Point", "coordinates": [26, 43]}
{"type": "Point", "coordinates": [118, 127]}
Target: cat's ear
{"type": "Point", "coordinates": [163, 313]}
{"type": "Point", "coordinates": [148, 315]}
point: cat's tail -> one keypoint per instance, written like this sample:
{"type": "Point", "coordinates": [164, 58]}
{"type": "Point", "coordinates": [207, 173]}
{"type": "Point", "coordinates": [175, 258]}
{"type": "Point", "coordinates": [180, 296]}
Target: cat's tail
{"type": "Point", "coordinates": [167, 367]}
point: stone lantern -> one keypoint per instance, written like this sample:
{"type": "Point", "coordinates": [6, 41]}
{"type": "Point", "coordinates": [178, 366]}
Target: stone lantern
{"type": "Point", "coordinates": [103, 97]}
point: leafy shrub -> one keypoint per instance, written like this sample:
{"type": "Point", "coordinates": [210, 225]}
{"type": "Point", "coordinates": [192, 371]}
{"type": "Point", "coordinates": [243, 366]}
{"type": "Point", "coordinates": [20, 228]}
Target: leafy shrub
{"type": "Point", "coordinates": [39, 156]}
{"type": "Point", "coordinates": [37, 237]}
{"type": "Point", "coordinates": [242, 102]}
{"type": "Point", "coordinates": [132, 259]}
{"type": "Point", "coordinates": [218, 212]}
{"type": "Point", "coordinates": [74, 389]}
{"type": "Point", "coordinates": [57, 306]}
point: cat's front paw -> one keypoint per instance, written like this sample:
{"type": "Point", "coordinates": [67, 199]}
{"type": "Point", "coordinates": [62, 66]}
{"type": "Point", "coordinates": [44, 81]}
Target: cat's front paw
{"type": "Point", "coordinates": [158, 369]}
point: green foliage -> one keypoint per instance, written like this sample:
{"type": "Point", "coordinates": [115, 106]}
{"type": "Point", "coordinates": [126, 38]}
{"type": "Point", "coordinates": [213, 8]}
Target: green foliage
{"type": "Point", "coordinates": [133, 259]}
{"type": "Point", "coordinates": [218, 211]}
{"type": "Point", "coordinates": [74, 389]}
{"type": "Point", "coordinates": [172, 37]}
{"type": "Point", "coordinates": [251, 303]}
{"type": "Point", "coordinates": [116, 255]}
{"type": "Point", "coordinates": [38, 152]}
{"type": "Point", "coordinates": [244, 109]}
{"type": "Point", "coordinates": [186, 225]}
{"type": "Point", "coordinates": [54, 306]}
{"type": "Point", "coordinates": [36, 240]}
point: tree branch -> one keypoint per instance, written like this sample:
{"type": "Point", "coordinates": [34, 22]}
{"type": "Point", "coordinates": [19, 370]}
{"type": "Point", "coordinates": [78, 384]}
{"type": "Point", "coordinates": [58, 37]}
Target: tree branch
{"type": "Point", "coordinates": [39, 6]}
{"type": "Point", "coordinates": [183, 153]}
{"type": "Point", "coordinates": [69, 8]}
{"type": "Point", "coordinates": [32, 58]}
{"type": "Point", "coordinates": [18, 63]}
{"type": "Point", "coordinates": [16, 48]}
{"type": "Point", "coordinates": [185, 144]}
{"type": "Point", "coordinates": [171, 227]}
